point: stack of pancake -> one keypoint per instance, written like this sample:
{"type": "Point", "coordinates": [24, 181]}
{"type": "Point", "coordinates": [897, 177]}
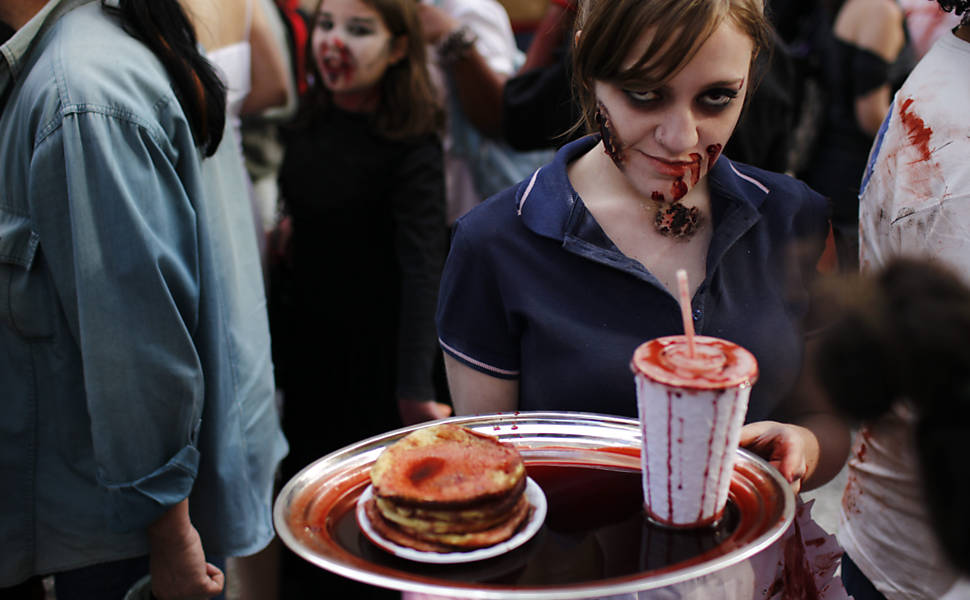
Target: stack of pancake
{"type": "Point", "coordinates": [447, 488]}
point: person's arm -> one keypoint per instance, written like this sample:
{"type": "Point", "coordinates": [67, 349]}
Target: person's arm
{"type": "Point", "coordinates": [810, 448]}
{"type": "Point", "coordinates": [479, 86]}
{"type": "Point", "coordinates": [271, 82]}
{"type": "Point", "coordinates": [419, 238]}
{"type": "Point", "coordinates": [177, 562]}
{"type": "Point", "coordinates": [552, 29]}
{"type": "Point", "coordinates": [478, 330]}
{"type": "Point", "coordinates": [877, 27]}
{"type": "Point", "coordinates": [474, 392]}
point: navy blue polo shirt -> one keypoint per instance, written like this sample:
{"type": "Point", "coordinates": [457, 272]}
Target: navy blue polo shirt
{"type": "Point", "coordinates": [534, 290]}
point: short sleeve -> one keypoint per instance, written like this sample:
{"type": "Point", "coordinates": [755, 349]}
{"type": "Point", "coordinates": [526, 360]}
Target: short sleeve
{"type": "Point", "coordinates": [915, 199]}
{"type": "Point", "coordinates": [869, 71]}
{"type": "Point", "coordinates": [474, 322]}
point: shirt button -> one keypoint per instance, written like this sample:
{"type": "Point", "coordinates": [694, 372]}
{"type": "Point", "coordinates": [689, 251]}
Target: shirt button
{"type": "Point", "coordinates": [697, 314]}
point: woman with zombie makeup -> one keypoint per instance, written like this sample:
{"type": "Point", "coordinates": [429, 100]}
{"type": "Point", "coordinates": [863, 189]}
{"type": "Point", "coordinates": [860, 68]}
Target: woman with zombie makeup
{"type": "Point", "coordinates": [551, 285]}
{"type": "Point", "coordinates": [914, 203]}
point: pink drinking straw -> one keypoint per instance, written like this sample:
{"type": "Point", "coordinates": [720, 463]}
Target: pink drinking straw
{"type": "Point", "coordinates": [684, 296]}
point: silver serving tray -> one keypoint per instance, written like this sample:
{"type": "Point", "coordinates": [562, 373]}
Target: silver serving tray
{"type": "Point", "coordinates": [310, 509]}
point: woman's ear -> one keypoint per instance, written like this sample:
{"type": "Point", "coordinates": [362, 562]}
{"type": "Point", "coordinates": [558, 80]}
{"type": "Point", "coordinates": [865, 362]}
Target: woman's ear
{"type": "Point", "coordinates": [576, 37]}
{"type": "Point", "coordinates": [399, 49]}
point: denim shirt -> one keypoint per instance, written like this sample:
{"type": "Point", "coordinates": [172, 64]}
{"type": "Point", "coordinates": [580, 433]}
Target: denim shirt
{"type": "Point", "coordinates": [134, 348]}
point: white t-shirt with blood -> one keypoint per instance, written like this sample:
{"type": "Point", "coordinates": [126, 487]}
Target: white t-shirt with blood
{"type": "Point", "coordinates": [915, 201]}
{"type": "Point", "coordinates": [884, 527]}
{"type": "Point", "coordinates": [915, 196]}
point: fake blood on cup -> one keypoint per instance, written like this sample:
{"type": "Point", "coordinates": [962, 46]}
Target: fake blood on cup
{"type": "Point", "coordinates": [692, 394]}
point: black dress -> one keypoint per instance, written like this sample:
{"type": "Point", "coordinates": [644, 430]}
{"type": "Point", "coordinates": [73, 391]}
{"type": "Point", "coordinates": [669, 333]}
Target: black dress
{"type": "Point", "coordinates": [353, 315]}
{"type": "Point", "coordinates": [352, 304]}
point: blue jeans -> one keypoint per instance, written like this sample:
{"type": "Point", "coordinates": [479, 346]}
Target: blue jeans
{"type": "Point", "coordinates": [106, 581]}
{"type": "Point", "coordinates": [856, 583]}
{"type": "Point", "coordinates": [110, 580]}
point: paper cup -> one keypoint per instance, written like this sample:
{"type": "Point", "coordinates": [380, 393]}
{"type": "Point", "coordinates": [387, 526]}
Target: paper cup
{"type": "Point", "coordinates": [691, 412]}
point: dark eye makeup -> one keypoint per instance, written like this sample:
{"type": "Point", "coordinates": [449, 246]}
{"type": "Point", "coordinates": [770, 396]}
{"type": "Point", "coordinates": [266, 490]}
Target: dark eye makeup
{"type": "Point", "coordinates": [715, 98]}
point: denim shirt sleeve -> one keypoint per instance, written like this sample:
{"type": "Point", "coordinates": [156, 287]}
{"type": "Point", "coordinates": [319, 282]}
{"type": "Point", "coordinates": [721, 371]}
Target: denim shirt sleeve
{"type": "Point", "coordinates": [119, 234]}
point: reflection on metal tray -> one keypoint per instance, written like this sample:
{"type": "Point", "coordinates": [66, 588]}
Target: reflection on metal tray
{"type": "Point", "coordinates": [595, 540]}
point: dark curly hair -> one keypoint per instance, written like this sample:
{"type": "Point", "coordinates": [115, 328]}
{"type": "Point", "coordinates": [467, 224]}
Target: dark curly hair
{"type": "Point", "coordinates": [905, 333]}
{"type": "Point", "coordinates": [957, 7]}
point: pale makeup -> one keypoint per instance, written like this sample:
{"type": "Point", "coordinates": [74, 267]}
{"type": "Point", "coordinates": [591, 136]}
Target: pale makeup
{"type": "Point", "coordinates": [352, 48]}
{"type": "Point", "coordinates": [665, 139]}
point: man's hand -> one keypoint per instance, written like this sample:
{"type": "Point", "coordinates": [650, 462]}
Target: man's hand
{"type": "Point", "coordinates": [177, 562]}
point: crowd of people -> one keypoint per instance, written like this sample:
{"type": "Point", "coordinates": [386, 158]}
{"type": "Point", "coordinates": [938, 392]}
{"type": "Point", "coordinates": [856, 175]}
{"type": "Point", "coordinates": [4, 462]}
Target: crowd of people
{"type": "Point", "coordinates": [237, 235]}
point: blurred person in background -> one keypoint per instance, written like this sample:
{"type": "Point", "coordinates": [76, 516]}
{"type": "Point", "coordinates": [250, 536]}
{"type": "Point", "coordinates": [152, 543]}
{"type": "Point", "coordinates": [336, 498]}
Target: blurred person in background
{"type": "Point", "coordinates": [473, 53]}
{"type": "Point", "coordinates": [239, 40]}
{"type": "Point", "coordinates": [926, 22]}
{"type": "Point", "coordinates": [863, 57]}
{"type": "Point", "coordinates": [896, 362]}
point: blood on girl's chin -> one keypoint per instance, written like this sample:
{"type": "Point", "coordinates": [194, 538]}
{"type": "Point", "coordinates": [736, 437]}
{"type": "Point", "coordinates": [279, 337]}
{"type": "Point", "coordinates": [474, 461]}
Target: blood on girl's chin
{"type": "Point", "coordinates": [695, 169]}
{"type": "Point", "coordinates": [678, 189]}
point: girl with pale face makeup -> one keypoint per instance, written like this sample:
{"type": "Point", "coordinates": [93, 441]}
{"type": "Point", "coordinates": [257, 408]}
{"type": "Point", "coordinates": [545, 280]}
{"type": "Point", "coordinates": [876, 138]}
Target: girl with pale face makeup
{"type": "Point", "coordinates": [352, 49]}
{"type": "Point", "coordinates": [352, 300]}
{"type": "Point", "coordinates": [550, 286]}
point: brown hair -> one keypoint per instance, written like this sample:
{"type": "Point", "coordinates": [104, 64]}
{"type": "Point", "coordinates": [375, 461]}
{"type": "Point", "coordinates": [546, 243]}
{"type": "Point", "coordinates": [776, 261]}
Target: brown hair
{"type": "Point", "coordinates": [609, 30]}
{"type": "Point", "coordinates": [408, 105]}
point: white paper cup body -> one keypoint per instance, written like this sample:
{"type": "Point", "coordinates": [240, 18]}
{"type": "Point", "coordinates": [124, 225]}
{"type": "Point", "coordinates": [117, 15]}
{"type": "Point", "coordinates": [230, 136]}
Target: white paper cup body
{"type": "Point", "coordinates": [690, 440]}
